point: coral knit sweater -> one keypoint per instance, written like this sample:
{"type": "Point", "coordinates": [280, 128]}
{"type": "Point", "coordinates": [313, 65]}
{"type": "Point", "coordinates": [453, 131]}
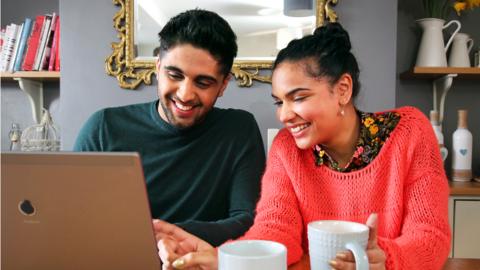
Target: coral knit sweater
{"type": "Point", "coordinates": [405, 184]}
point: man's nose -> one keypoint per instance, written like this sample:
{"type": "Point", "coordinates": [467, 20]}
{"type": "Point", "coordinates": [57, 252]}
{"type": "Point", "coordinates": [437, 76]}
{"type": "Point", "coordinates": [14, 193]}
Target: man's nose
{"type": "Point", "coordinates": [186, 92]}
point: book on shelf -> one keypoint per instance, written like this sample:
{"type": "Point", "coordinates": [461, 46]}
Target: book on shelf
{"type": "Point", "coordinates": [54, 50]}
{"type": "Point", "coordinates": [48, 44]}
{"type": "Point", "coordinates": [27, 27]}
{"type": "Point", "coordinates": [15, 48]}
{"type": "Point", "coordinates": [3, 43]}
{"type": "Point", "coordinates": [32, 44]}
{"type": "Point", "coordinates": [2, 38]}
{"type": "Point", "coordinates": [9, 46]}
{"type": "Point", "coordinates": [57, 51]}
{"type": "Point", "coordinates": [42, 43]}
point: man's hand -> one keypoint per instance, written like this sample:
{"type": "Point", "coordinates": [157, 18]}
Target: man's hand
{"type": "Point", "coordinates": [179, 249]}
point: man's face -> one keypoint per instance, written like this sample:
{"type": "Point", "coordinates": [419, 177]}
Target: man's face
{"type": "Point", "coordinates": [189, 83]}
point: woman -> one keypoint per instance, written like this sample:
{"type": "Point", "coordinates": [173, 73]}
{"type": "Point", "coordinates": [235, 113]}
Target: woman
{"type": "Point", "coordinates": [332, 161]}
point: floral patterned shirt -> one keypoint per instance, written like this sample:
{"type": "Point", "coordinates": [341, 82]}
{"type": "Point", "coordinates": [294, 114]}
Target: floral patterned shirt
{"type": "Point", "coordinates": [375, 128]}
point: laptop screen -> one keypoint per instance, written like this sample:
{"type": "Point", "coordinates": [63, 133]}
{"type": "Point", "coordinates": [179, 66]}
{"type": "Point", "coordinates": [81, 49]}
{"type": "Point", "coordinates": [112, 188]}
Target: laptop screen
{"type": "Point", "coordinates": [75, 211]}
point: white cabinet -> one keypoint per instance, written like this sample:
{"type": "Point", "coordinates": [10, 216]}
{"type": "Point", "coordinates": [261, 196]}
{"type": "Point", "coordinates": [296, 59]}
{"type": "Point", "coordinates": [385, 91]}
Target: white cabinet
{"type": "Point", "coordinates": [464, 217]}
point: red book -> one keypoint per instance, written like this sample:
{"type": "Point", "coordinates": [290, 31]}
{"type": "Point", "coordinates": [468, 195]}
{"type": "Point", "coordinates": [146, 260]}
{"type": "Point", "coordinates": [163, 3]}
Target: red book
{"type": "Point", "coordinates": [32, 44]}
{"type": "Point", "coordinates": [2, 36]}
{"type": "Point", "coordinates": [57, 50]}
{"type": "Point", "coordinates": [53, 52]}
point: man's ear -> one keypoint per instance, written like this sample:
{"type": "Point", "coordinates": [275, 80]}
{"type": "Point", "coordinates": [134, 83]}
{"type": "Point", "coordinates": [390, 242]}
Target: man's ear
{"type": "Point", "coordinates": [224, 84]}
{"type": "Point", "coordinates": [157, 64]}
{"type": "Point", "coordinates": [344, 88]}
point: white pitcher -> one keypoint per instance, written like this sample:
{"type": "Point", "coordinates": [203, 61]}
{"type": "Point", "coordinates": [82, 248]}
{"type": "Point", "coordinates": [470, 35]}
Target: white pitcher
{"type": "Point", "coordinates": [459, 55]}
{"type": "Point", "coordinates": [432, 52]}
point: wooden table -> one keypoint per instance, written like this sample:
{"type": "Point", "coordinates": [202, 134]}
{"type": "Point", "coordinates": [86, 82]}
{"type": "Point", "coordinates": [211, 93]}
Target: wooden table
{"type": "Point", "coordinates": [462, 264]}
{"type": "Point", "coordinates": [464, 188]}
{"type": "Point", "coordinates": [451, 264]}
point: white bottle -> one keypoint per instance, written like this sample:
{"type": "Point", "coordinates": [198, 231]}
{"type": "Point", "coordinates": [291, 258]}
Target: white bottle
{"type": "Point", "coordinates": [462, 150]}
{"type": "Point", "coordinates": [437, 128]}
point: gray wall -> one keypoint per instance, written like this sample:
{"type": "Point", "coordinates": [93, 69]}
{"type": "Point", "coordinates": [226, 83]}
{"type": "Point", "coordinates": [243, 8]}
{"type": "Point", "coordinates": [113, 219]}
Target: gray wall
{"type": "Point", "coordinates": [87, 32]}
{"type": "Point", "coordinates": [464, 94]}
{"type": "Point", "coordinates": [86, 43]}
{"type": "Point", "coordinates": [15, 104]}
{"type": "Point", "coordinates": [86, 88]}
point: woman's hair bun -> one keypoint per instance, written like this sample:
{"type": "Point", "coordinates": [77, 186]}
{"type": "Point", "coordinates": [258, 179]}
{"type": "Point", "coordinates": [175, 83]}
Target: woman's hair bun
{"type": "Point", "coordinates": [334, 35]}
{"type": "Point", "coordinates": [330, 49]}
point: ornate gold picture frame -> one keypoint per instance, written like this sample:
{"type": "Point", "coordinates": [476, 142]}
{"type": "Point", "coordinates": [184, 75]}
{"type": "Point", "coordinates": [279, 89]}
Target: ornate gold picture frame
{"type": "Point", "coordinates": [131, 72]}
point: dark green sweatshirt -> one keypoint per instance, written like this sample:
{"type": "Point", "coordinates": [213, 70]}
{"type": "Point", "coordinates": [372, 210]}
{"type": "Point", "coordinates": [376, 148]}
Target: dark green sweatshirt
{"type": "Point", "coordinates": [206, 179]}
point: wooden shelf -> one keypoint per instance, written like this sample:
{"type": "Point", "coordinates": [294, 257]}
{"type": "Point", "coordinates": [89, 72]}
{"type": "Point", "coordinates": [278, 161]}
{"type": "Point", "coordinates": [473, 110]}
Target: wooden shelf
{"type": "Point", "coordinates": [34, 75]}
{"type": "Point", "coordinates": [464, 188]}
{"type": "Point", "coordinates": [437, 72]}
{"type": "Point", "coordinates": [31, 82]}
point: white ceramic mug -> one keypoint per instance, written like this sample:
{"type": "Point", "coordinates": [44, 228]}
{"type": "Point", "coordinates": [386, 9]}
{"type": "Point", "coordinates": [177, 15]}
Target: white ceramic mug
{"type": "Point", "coordinates": [252, 255]}
{"type": "Point", "coordinates": [328, 237]}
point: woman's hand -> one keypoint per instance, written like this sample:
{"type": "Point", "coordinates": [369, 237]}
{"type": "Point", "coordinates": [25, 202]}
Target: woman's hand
{"type": "Point", "coordinates": [376, 256]}
{"type": "Point", "coordinates": [179, 249]}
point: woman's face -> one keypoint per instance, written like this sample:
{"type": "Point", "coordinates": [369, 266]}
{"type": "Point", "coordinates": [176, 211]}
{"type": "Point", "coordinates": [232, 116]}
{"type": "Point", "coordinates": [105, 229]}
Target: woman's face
{"type": "Point", "coordinates": [308, 107]}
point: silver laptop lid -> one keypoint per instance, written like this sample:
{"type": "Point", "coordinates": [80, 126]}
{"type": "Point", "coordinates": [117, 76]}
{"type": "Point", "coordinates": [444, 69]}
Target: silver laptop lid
{"type": "Point", "coordinates": [75, 211]}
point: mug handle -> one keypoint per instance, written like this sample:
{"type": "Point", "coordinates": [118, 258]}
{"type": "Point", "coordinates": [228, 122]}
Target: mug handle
{"type": "Point", "coordinates": [459, 25]}
{"type": "Point", "coordinates": [469, 48]}
{"type": "Point", "coordinates": [361, 260]}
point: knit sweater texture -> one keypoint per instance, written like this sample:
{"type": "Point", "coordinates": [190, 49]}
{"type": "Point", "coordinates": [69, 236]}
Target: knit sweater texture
{"type": "Point", "coordinates": [405, 184]}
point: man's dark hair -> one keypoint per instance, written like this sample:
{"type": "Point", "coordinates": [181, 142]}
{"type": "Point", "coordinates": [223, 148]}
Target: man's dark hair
{"type": "Point", "coordinates": [202, 29]}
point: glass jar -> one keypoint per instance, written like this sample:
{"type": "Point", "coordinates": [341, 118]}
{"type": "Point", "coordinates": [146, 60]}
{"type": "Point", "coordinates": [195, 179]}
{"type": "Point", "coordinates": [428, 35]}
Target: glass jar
{"type": "Point", "coordinates": [42, 137]}
{"type": "Point", "coordinates": [476, 58]}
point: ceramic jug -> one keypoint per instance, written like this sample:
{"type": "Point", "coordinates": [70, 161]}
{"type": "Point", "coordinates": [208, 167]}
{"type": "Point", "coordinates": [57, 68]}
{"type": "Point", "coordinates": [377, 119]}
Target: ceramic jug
{"type": "Point", "coordinates": [461, 46]}
{"type": "Point", "coordinates": [432, 51]}
{"type": "Point", "coordinates": [437, 128]}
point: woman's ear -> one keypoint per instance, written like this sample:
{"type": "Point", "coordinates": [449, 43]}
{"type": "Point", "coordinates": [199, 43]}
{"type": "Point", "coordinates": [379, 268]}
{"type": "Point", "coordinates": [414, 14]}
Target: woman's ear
{"type": "Point", "coordinates": [344, 88]}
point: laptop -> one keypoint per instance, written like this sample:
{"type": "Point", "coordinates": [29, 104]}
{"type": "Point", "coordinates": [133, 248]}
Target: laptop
{"type": "Point", "coordinates": [75, 211]}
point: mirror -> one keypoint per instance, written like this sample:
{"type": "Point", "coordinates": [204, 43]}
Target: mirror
{"type": "Point", "coordinates": [255, 22]}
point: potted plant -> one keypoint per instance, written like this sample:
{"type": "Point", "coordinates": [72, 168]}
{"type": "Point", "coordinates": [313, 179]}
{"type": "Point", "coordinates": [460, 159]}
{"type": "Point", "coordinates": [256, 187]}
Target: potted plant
{"type": "Point", "coordinates": [436, 8]}
{"type": "Point", "coordinates": [440, 9]}
{"type": "Point", "coordinates": [463, 5]}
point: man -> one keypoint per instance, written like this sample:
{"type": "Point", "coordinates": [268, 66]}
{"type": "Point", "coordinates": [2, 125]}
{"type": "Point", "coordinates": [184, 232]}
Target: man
{"type": "Point", "coordinates": [202, 164]}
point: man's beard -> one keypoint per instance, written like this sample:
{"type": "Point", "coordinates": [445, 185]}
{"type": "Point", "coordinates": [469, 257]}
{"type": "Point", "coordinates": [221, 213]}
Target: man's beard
{"type": "Point", "coordinates": [171, 117]}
